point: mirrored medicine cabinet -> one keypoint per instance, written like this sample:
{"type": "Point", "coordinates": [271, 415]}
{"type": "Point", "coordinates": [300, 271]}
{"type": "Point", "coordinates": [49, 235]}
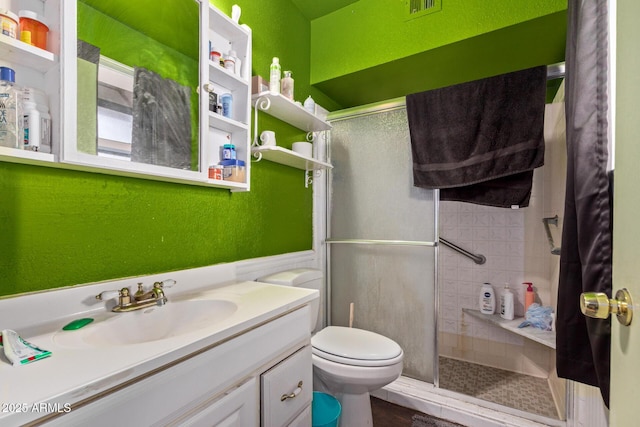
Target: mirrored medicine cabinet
{"type": "Point", "coordinates": [128, 86]}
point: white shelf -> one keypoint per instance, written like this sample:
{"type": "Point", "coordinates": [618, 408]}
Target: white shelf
{"type": "Point", "coordinates": [18, 52]}
{"type": "Point", "coordinates": [223, 77]}
{"type": "Point", "coordinates": [547, 338]}
{"type": "Point", "coordinates": [289, 158]}
{"type": "Point", "coordinates": [219, 121]}
{"type": "Point", "coordinates": [286, 110]}
{"type": "Point", "coordinates": [25, 156]}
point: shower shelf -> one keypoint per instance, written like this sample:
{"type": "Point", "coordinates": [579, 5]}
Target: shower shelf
{"type": "Point", "coordinates": [547, 338]}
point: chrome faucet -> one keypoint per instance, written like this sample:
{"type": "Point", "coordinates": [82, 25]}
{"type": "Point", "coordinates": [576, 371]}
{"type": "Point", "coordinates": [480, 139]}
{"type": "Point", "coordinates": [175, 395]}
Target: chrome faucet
{"type": "Point", "coordinates": [139, 300]}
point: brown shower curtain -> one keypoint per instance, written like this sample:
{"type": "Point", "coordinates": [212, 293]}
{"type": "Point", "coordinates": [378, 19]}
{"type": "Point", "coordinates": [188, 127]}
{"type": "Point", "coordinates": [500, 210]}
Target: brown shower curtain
{"type": "Point", "coordinates": [583, 344]}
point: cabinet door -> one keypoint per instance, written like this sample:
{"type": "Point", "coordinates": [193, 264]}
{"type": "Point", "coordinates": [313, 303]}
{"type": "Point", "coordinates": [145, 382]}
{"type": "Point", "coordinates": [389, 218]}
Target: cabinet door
{"type": "Point", "coordinates": [287, 389]}
{"type": "Point", "coordinates": [237, 408]}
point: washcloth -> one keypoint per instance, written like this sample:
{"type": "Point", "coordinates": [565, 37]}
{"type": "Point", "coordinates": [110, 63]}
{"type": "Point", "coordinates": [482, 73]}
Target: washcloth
{"type": "Point", "coordinates": [479, 141]}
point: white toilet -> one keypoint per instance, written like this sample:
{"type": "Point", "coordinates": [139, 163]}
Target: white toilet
{"type": "Point", "coordinates": [348, 363]}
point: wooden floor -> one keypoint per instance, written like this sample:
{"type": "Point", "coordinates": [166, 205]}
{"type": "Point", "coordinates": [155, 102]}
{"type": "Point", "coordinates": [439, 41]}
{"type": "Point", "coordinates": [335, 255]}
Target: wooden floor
{"type": "Point", "coordinates": [387, 414]}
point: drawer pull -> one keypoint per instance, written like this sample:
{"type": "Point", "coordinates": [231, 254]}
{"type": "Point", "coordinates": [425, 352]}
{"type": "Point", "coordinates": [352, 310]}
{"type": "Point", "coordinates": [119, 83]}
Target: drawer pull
{"type": "Point", "coordinates": [292, 395]}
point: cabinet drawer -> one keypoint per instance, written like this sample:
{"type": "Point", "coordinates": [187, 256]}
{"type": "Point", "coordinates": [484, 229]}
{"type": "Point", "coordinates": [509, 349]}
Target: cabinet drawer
{"type": "Point", "coordinates": [282, 397]}
{"type": "Point", "coordinates": [302, 420]}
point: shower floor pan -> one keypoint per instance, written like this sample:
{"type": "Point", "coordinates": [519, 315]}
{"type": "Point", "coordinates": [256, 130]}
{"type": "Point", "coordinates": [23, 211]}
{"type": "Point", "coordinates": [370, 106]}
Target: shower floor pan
{"type": "Point", "coordinates": [518, 391]}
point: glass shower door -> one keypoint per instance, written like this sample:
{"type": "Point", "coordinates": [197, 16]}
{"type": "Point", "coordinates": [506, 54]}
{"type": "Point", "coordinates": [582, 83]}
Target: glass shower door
{"type": "Point", "coordinates": [382, 228]}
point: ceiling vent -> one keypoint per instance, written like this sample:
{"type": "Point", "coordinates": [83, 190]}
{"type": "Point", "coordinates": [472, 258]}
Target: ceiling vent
{"type": "Point", "coordinates": [418, 8]}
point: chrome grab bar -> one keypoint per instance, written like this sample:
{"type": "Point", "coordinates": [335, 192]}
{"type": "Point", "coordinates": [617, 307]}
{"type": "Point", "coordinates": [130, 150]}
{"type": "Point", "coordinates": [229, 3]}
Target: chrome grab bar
{"type": "Point", "coordinates": [478, 259]}
{"type": "Point", "coordinates": [382, 242]}
{"type": "Point", "coordinates": [546, 221]}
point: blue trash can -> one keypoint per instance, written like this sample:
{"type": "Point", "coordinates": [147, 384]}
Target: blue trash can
{"type": "Point", "coordinates": [325, 410]}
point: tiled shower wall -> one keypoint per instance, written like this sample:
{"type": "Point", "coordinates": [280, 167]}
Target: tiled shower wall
{"type": "Point", "coordinates": [516, 247]}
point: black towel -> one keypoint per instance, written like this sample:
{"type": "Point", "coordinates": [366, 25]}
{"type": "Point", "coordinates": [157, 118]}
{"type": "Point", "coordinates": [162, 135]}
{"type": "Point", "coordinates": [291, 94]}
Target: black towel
{"type": "Point", "coordinates": [480, 141]}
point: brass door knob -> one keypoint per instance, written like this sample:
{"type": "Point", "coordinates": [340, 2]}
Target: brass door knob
{"type": "Point", "coordinates": [599, 306]}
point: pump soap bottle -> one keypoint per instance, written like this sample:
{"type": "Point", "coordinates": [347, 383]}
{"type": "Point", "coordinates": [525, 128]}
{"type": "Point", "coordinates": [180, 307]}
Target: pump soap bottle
{"type": "Point", "coordinates": [506, 303]}
{"type": "Point", "coordinates": [487, 299]}
{"type": "Point", "coordinates": [529, 296]}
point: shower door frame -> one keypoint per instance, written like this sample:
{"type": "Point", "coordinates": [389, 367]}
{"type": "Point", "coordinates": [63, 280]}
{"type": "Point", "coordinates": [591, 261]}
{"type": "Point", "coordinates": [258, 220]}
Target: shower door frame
{"type": "Point", "coordinates": [357, 112]}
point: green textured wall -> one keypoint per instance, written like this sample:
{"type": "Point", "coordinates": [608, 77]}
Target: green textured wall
{"type": "Point", "coordinates": [371, 51]}
{"type": "Point", "coordinates": [61, 227]}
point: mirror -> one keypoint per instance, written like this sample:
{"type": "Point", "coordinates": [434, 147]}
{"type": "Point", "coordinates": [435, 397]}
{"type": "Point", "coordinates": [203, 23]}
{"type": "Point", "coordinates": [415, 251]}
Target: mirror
{"type": "Point", "coordinates": [138, 71]}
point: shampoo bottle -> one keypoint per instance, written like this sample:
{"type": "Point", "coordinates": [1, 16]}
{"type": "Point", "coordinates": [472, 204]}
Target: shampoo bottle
{"type": "Point", "coordinates": [529, 296]}
{"type": "Point", "coordinates": [506, 303]}
{"type": "Point", "coordinates": [487, 299]}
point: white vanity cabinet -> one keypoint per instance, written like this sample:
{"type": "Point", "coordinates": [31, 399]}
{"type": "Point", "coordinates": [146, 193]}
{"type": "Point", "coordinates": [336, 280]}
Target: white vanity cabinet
{"type": "Point", "coordinates": [225, 384]}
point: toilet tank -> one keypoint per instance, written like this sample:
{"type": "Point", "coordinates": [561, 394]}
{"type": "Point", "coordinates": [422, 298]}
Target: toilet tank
{"type": "Point", "coordinates": [307, 278]}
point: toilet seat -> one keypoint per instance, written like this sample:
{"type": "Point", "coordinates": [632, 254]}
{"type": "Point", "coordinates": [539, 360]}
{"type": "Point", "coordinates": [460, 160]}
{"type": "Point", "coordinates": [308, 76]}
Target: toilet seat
{"type": "Point", "coordinates": [356, 347]}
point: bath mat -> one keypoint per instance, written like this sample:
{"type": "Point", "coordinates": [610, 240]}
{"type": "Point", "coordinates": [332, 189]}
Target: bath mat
{"type": "Point", "coordinates": [427, 421]}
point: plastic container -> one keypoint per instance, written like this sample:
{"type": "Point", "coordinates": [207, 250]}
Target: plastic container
{"type": "Point", "coordinates": [529, 296]}
{"type": "Point", "coordinates": [11, 125]}
{"type": "Point", "coordinates": [216, 172]}
{"type": "Point", "coordinates": [487, 299]}
{"type": "Point", "coordinates": [286, 86]}
{"type": "Point", "coordinates": [9, 23]}
{"type": "Point", "coordinates": [35, 24]}
{"type": "Point", "coordinates": [234, 170]}
{"type": "Point", "coordinates": [506, 303]}
{"type": "Point", "coordinates": [310, 105]}
{"type": "Point", "coordinates": [31, 126]}
{"type": "Point", "coordinates": [274, 76]}
{"type": "Point", "coordinates": [325, 410]}
{"type": "Point", "coordinates": [215, 56]}
{"type": "Point", "coordinates": [39, 135]}
{"type": "Point", "coordinates": [228, 152]}
{"type": "Point", "coordinates": [226, 99]}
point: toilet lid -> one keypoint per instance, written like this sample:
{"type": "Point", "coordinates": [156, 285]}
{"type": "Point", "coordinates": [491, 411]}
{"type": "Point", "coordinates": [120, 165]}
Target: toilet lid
{"type": "Point", "coordinates": [353, 345]}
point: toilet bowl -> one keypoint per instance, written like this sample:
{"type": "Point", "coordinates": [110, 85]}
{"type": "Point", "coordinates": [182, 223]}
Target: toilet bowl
{"type": "Point", "coordinates": [348, 363]}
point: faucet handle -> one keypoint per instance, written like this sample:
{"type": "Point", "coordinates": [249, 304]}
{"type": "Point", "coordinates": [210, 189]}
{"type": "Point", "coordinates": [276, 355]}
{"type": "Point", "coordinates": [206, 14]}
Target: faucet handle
{"type": "Point", "coordinates": [167, 283]}
{"type": "Point", "coordinates": [105, 295]}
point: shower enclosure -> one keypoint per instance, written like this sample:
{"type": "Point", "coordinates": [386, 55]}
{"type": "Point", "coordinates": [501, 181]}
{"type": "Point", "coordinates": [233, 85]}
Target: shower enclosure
{"type": "Point", "coordinates": [381, 257]}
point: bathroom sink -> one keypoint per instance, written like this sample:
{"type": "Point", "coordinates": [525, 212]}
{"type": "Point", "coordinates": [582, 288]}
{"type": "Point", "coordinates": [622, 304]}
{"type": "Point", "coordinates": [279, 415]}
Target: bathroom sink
{"type": "Point", "coordinates": [150, 324]}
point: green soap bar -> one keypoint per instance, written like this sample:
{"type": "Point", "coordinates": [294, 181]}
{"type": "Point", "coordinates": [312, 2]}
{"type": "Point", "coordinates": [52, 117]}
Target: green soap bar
{"type": "Point", "coordinates": [77, 324]}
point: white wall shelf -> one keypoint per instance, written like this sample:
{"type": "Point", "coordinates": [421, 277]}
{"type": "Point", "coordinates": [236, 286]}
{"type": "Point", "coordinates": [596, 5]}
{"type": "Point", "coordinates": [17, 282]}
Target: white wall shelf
{"type": "Point", "coordinates": [290, 158]}
{"type": "Point", "coordinates": [18, 52]}
{"type": "Point", "coordinates": [25, 156]}
{"type": "Point", "coordinates": [286, 110]}
{"type": "Point", "coordinates": [547, 338]}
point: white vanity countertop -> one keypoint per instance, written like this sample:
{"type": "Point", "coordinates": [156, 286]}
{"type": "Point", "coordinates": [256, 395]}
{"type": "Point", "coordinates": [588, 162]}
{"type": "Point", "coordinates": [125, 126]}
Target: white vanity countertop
{"type": "Point", "coordinates": [74, 374]}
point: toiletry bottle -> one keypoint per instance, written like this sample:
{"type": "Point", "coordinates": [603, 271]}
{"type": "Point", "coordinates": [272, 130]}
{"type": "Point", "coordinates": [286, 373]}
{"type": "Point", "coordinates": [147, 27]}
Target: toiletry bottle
{"type": "Point", "coordinates": [11, 117]}
{"type": "Point", "coordinates": [506, 303]}
{"type": "Point", "coordinates": [310, 105]}
{"type": "Point", "coordinates": [487, 299]}
{"type": "Point", "coordinates": [31, 126]}
{"type": "Point", "coordinates": [529, 296]}
{"type": "Point", "coordinates": [287, 86]}
{"type": "Point", "coordinates": [227, 105]}
{"type": "Point", "coordinates": [274, 76]}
